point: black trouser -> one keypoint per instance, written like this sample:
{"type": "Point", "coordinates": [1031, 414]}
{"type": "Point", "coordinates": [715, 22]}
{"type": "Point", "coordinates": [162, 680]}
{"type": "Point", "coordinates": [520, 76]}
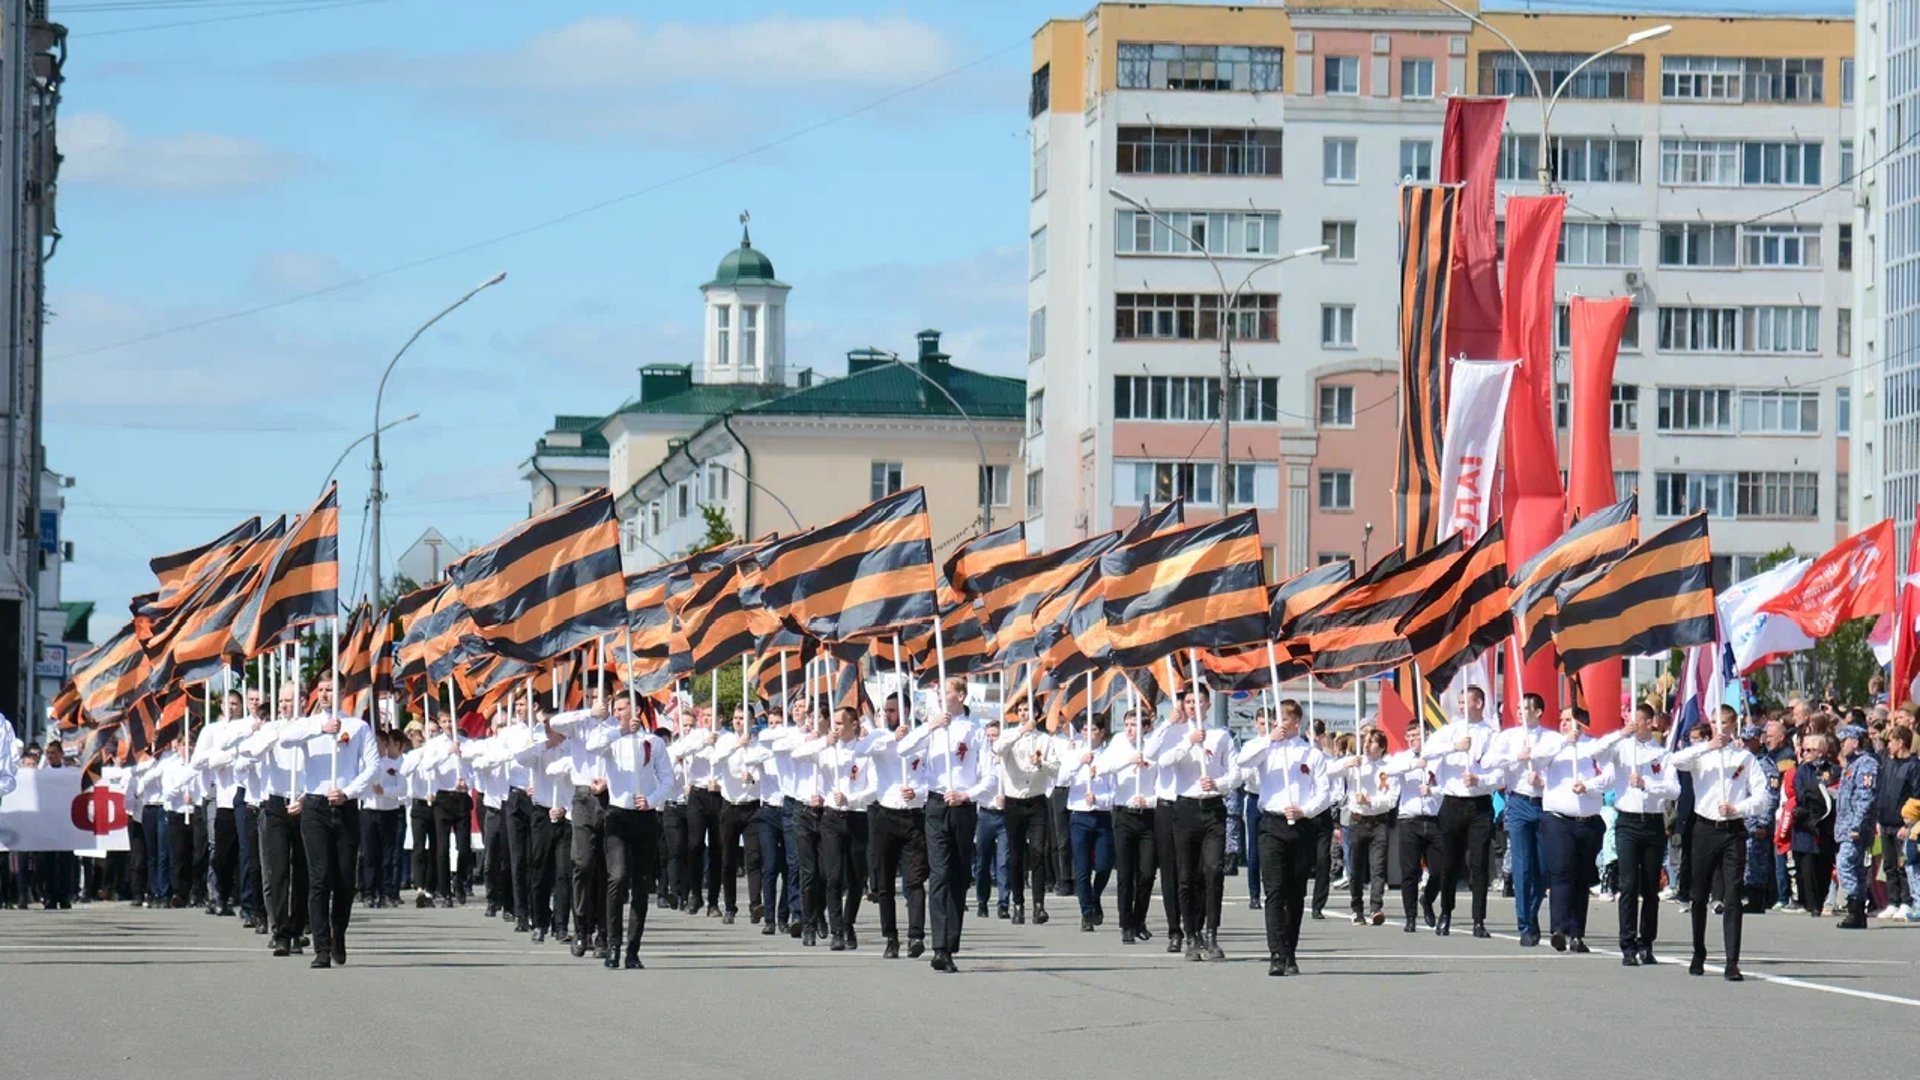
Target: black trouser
{"type": "Point", "coordinates": [518, 827]}
{"type": "Point", "coordinates": [1163, 831]}
{"type": "Point", "coordinates": [552, 882]}
{"type": "Point", "coordinates": [1466, 842]}
{"type": "Point", "coordinates": [949, 862]}
{"type": "Point", "coordinates": [589, 850]}
{"type": "Point", "coordinates": [1719, 854]}
{"type": "Point", "coordinates": [284, 855]}
{"type": "Point", "coordinates": [1200, 850]}
{"type": "Point", "coordinates": [843, 851]}
{"type": "Point", "coordinates": [189, 863]}
{"type": "Point", "coordinates": [899, 842]}
{"type": "Point", "coordinates": [813, 882]}
{"type": "Point", "coordinates": [452, 830]}
{"type": "Point", "coordinates": [1325, 825]}
{"type": "Point", "coordinates": [705, 813]}
{"type": "Point", "coordinates": [1060, 837]}
{"type": "Point", "coordinates": [1893, 863]}
{"type": "Point", "coordinates": [376, 856]}
{"type": "Point", "coordinates": [1134, 852]}
{"type": "Point", "coordinates": [737, 823]}
{"type": "Point", "coordinates": [226, 856]}
{"type": "Point", "coordinates": [1369, 863]}
{"type": "Point", "coordinates": [633, 842]}
{"type": "Point", "coordinates": [1640, 843]}
{"type": "Point", "coordinates": [421, 816]}
{"type": "Point", "coordinates": [1684, 887]}
{"type": "Point", "coordinates": [136, 856]}
{"type": "Point", "coordinates": [499, 868]}
{"type": "Point", "coordinates": [1419, 841]}
{"type": "Point", "coordinates": [1287, 853]}
{"type": "Point", "coordinates": [1815, 869]}
{"type": "Point", "coordinates": [1572, 846]}
{"type": "Point", "coordinates": [1027, 855]}
{"type": "Point", "coordinates": [674, 826]}
{"type": "Point", "coordinates": [253, 888]}
{"type": "Point", "coordinates": [332, 836]}
{"type": "Point", "coordinates": [203, 853]}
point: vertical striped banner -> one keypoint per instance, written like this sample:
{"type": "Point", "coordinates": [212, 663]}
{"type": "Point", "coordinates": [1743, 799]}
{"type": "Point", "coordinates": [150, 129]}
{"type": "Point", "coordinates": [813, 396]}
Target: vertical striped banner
{"type": "Point", "coordinates": [1426, 261]}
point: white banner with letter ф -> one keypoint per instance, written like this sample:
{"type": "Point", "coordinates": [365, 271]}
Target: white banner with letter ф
{"type": "Point", "coordinates": [47, 811]}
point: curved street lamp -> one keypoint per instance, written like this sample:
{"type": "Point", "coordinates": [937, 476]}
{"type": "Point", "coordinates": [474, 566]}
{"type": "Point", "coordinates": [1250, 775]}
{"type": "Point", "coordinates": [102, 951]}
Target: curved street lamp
{"type": "Point", "coordinates": [986, 474]}
{"type": "Point", "coordinates": [388, 426]}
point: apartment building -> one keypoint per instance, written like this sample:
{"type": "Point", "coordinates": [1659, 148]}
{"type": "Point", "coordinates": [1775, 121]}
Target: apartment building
{"type": "Point", "coordinates": [1259, 130]}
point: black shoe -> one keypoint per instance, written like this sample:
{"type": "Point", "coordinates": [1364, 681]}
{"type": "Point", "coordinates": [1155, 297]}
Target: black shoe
{"type": "Point", "coordinates": [1410, 927]}
{"type": "Point", "coordinates": [1099, 914]}
{"type": "Point", "coordinates": [1733, 974]}
{"type": "Point", "coordinates": [1646, 958]}
{"type": "Point", "coordinates": [1320, 915]}
{"type": "Point", "coordinates": [1040, 916]}
{"type": "Point", "coordinates": [225, 912]}
{"type": "Point", "coordinates": [794, 929]}
{"type": "Point", "coordinates": [423, 901]}
{"type": "Point", "coordinates": [1019, 915]}
{"type": "Point", "coordinates": [320, 962]}
{"type": "Point", "coordinates": [767, 929]}
{"type": "Point", "coordinates": [563, 938]}
{"type": "Point", "coordinates": [578, 948]}
{"type": "Point", "coordinates": [1276, 966]}
{"type": "Point", "coordinates": [982, 912]}
{"type": "Point", "coordinates": [611, 961]}
{"type": "Point", "coordinates": [713, 911]}
{"type": "Point", "coordinates": [952, 968]}
{"type": "Point", "coordinates": [1253, 903]}
{"type": "Point", "coordinates": [1126, 937]}
{"type": "Point", "coordinates": [1002, 913]}
{"type": "Point", "coordinates": [892, 951]}
{"type": "Point", "coordinates": [1698, 965]}
{"type": "Point", "coordinates": [915, 948]}
{"type": "Point", "coordinates": [1173, 943]}
{"type": "Point", "coordinates": [491, 912]}
{"type": "Point", "coordinates": [280, 947]}
{"type": "Point", "coordinates": [1141, 933]}
{"type": "Point", "coordinates": [520, 926]}
{"type": "Point", "coordinates": [1579, 945]}
{"type": "Point", "coordinates": [838, 943]}
{"type": "Point", "coordinates": [249, 923]}
{"type": "Point", "coordinates": [1426, 911]}
{"type": "Point", "coordinates": [853, 940]}
{"type": "Point", "coordinates": [1480, 930]}
{"type": "Point", "coordinates": [1559, 941]}
{"type": "Point", "coordinates": [539, 936]}
{"type": "Point", "coordinates": [754, 913]}
{"type": "Point", "coordinates": [1292, 968]}
{"type": "Point", "coordinates": [1629, 958]}
{"type": "Point", "coordinates": [808, 939]}
{"type": "Point", "coordinates": [303, 941]}
{"type": "Point", "coordinates": [727, 919]}
{"type": "Point", "coordinates": [1086, 924]}
{"type": "Point", "coordinates": [601, 952]}
{"type": "Point", "coordinates": [1529, 939]}
{"type": "Point", "coordinates": [1444, 927]}
{"type": "Point", "coordinates": [940, 961]}
{"type": "Point", "coordinates": [340, 954]}
{"type": "Point", "coordinates": [1193, 951]}
{"type": "Point", "coordinates": [632, 962]}
{"type": "Point", "coordinates": [260, 927]}
{"type": "Point", "coordinates": [1214, 951]}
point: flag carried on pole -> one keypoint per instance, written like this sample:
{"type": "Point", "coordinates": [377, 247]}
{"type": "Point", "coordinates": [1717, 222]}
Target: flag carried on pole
{"type": "Point", "coordinates": [1354, 634]}
{"type": "Point", "coordinates": [871, 570]}
{"type": "Point", "coordinates": [1202, 586]}
{"type": "Point", "coordinates": [196, 648]}
{"type": "Point", "coordinates": [1852, 581]}
{"type": "Point", "coordinates": [550, 584]}
{"type": "Point", "coordinates": [1906, 629]}
{"type": "Point", "coordinates": [979, 555]}
{"type": "Point", "coordinates": [1702, 688]}
{"type": "Point", "coordinates": [1466, 611]}
{"type": "Point", "coordinates": [1754, 637]}
{"type": "Point", "coordinates": [1658, 596]}
{"type": "Point", "coordinates": [178, 569]}
{"type": "Point", "coordinates": [1304, 592]}
{"type": "Point", "coordinates": [356, 662]}
{"type": "Point", "coordinates": [962, 637]}
{"type": "Point", "coordinates": [1010, 594]}
{"type": "Point", "coordinates": [111, 676]}
{"type": "Point", "coordinates": [1596, 542]}
{"type": "Point", "coordinates": [1427, 216]}
{"type": "Point", "coordinates": [719, 629]}
{"type": "Point", "coordinates": [300, 583]}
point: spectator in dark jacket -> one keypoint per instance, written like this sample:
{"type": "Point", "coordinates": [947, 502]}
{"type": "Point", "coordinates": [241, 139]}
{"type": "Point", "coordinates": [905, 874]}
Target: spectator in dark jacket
{"type": "Point", "coordinates": [1814, 846]}
{"type": "Point", "coordinates": [1899, 781]}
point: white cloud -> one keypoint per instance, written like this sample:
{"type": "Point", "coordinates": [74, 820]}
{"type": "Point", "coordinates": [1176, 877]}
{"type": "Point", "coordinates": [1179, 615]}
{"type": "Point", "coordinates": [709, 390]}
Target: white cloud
{"type": "Point", "coordinates": [102, 151]}
{"type": "Point", "coordinates": [282, 273]}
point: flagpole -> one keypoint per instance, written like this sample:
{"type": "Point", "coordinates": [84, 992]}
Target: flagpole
{"type": "Point", "coordinates": [745, 671]}
{"type": "Point", "coordinates": [940, 658]}
{"type": "Point", "coordinates": [600, 695]}
{"type": "Point", "coordinates": [1359, 707]}
{"type": "Point", "coordinates": [786, 693]}
{"type": "Point", "coordinates": [1139, 734]}
{"type": "Point", "coordinates": [293, 673]}
{"type": "Point", "coordinates": [900, 683]}
{"type": "Point", "coordinates": [1089, 733]}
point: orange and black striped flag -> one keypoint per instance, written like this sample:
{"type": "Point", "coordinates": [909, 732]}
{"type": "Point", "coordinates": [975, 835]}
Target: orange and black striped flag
{"type": "Point", "coordinates": [979, 555]}
{"type": "Point", "coordinates": [1010, 595]}
{"type": "Point", "coordinates": [301, 582]}
{"type": "Point", "coordinates": [1305, 591]}
{"type": "Point", "coordinates": [1464, 613]}
{"type": "Point", "coordinates": [1072, 635]}
{"type": "Point", "coordinates": [963, 643]}
{"type": "Point", "coordinates": [381, 648]}
{"type": "Point", "coordinates": [1354, 634]}
{"type": "Point", "coordinates": [649, 615]}
{"type": "Point", "coordinates": [102, 747]}
{"type": "Point", "coordinates": [718, 626]}
{"type": "Point", "coordinates": [781, 659]}
{"type": "Point", "coordinates": [1657, 597]}
{"type": "Point", "coordinates": [110, 677]}
{"type": "Point", "coordinates": [175, 571]}
{"type": "Point", "coordinates": [549, 584]}
{"type": "Point", "coordinates": [1427, 216]}
{"type": "Point", "coordinates": [409, 653]}
{"type": "Point", "coordinates": [195, 648]}
{"type": "Point", "coordinates": [871, 570]}
{"type": "Point", "coordinates": [66, 711]}
{"type": "Point", "coordinates": [1199, 587]}
{"type": "Point", "coordinates": [1247, 668]}
{"type": "Point", "coordinates": [1600, 540]}
{"type": "Point", "coordinates": [156, 718]}
{"type": "Point", "coordinates": [356, 662]}
{"type": "Point", "coordinates": [439, 635]}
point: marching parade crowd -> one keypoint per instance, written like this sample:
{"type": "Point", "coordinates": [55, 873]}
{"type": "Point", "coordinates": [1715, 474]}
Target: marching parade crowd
{"type": "Point", "coordinates": [589, 817]}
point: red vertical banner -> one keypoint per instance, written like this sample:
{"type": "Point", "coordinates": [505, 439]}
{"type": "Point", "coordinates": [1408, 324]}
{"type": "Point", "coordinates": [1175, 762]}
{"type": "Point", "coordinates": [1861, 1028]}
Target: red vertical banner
{"type": "Point", "coordinates": [1596, 327]}
{"type": "Point", "coordinates": [1531, 496]}
{"type": "Point", "coordinates": [1469, 155]}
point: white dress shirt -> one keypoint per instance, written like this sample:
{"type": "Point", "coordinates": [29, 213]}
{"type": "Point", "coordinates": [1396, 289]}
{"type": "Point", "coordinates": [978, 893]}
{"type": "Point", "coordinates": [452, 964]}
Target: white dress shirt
{"type": "Point", "coordinates": [839, 768]}
{"type": "Point", "coordinates": [179, 784]}
{"type": "Point", "coordinates": [767, 768]}
{"type": "Point", "coordinates": [1378, 777]}
{"type": "Point", "coordinates": [1089, 787]}
{"type": "Point", "coordinates": [143, 788]}
{"type": "Point", "coordinates": [953, 757]}
{"type": "Point", "coordinates": [511, 743]}
{"type": "Point", "coordinates": [1134, 784]}
{"type": "Point", "coordinates": [277, 766]}
{"type": "Point", "coordinates": [1727, 775]}
{"type": "Point", "coordinates": [1414, 773]}
{"type": "Point", "coordinates": [213, 755]}
{"type": "Point", "coordinates": [1188, 762]}
{"type": "Point", "coordinates": [1541, 744]}
{"type": "Point", "coordinates": [345, 761]}
{"type": "Point", "coordinates": [638, 766]}
{"type": "Point", "coordinates": [1575, 762]}
{"type": "Point", "coordinates": [419, 779]}
{"type": "Point", "coordinates": [1066, 749]}
{"type": "Point", "coordinates": [9, 760]}
{"type": "Point", "coordinates": [895, 772]}
{"type": "Point", "coordinates": [586, 766]}
{"type": "Point", "coordinates": [1293, 775]}
{"type": "Point", "coordinates": [1647, 759]}
{"type": "Point", "coordinates": [728, 756]}
{"type": "Point", "coordinates": [392, 785]}
{"type": "Point", "coordinates": [698, 770]}
{"type": "Point", "coordinates": [1021, 777]}
{"type": "Point", "coordinates": [1451, 767]}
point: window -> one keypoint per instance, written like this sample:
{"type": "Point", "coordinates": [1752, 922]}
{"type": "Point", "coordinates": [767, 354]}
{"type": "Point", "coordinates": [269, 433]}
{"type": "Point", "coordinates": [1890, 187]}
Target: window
{"type": "Point", "coordinates": [1624, 485]}
{"type": "Point", "coordinates": [1846, 80]}
{"type": "Point", "coordinates": [683, 497]}
{"type": "Point", "coordinates": [1256, 401]}
{"type": "Point", "coordinates": [1626, 407]}
{"type": "Point", "coordinates": [1596, 160]}
{"type": "Point", "coordinates": [1612, 78]}
{"type": "Point", "coordinates": [1700, 78]}
{"type": "Point", "coordinates": [1779, 412]}
{"type": "Point", "coordinates": [654, 512]}
{"type": "Point", "coordinates": [719, 484]}
{"type": "Point", "coordinates": [1416, 79]}
{"type": "Point", "coordinates": [1036, 412]}
{"type": "Point", "coordinates": [723, 343]}
{"type": "Point", "coordinates": [1339, 236]}
{"type": "Point", "coordinates": [1338, 159]}
{"type": "Point", "coordinates": [1325, 557]}
{"type": "Point", "coordinates": [1164, 481]}
{"type": "Point", "coordinates": [1843, 411]}
{"type": "Point", "coordinates": [1695, 410]}
{"type": "Point", "coordinates": [1562, 407]}
{"type": "Point", "coordinates": [1166, 397]}
{"type": "Point", "coordinates": [1843, 258]}
{"type": "Point", "coordinates": [1778, 495]}
{"type": "Point", "coordinates": [1036, 487]}
{"type": "Point", "coordinates": [1240, 480]}
{"type": "Point", "coordinates": [1846, 161]}
{"type": "Point", "coordinates": [1843, 332]}
{"type": "Point", "coordinates": [1037, 253]}
{"type": "Point", "coordinates": [1840, 489]}
{"type": "Point", "coordinates": [1336, 326]}
{"type": "Point", "coordinates": [1336, 406]}
{"type": "Point", "coordinates": [1231, 233]}
{"type": "Point", "coordinates": [1697, 244]}
{"type": "Point", "coordinates": [1336, 489]}
{"type": "Point", "coordinates": [1706, 162]}
{"type": "Point", "coordinates": [1519, 158]}
{"type": "Point", "coordinates": [1039, 91]}
{"type": "Point", "coordinates": [1780, 164]}
{"type": "Point", "coordinates": [1416, 159]}
{"type": "Point", "coordinates": [1179, 151]}
{"type": "Point", "coordinates": [1680, 494]}
{"type": "Point", "coordinates": [1342, 75]}
{"type": "Point", "coordinates": [1599, 243]}
{"type": "Point", "coordinates": [1781, 246]}
{"type": "Point", "coordinates": [1780, 329]}
{"type": "Point", "coordinates": [1040, 170]}
{"type": "Point", "coordinates": [1037, 334]}
{"type": "Point", "coordinates": [1786, 81]}
{"type": "Point", "coordinates": [1699, 329]}
{"type": "Point", "coordinates": [1193, 317]}
{"type": "Point", "coordinates": [1563, 328]}
{"type": "Point", "coordinates": [749, 335]}
{"type": "Point", "coordinates": [1198, 67]}
{"type": "Point", "coordinates": [887, 478]}
{"type": "Point", "coordinates": [996, 483]}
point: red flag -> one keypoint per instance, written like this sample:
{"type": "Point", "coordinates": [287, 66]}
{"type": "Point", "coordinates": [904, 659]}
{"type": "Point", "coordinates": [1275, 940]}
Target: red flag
{"type": "Point", "coordinates": [1469, 155]}
{"type": "Point", "coordinates": [1906, 638]}
{"type": "Point", "coordinates": [1852, 581]}
{"type": "Point", "coordinates": [1596, 325]}
{"type": "Point", "coordinates": [1393, 718]}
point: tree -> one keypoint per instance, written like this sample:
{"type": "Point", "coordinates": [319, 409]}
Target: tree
{"type": "Point", "coordinates": [731, 679]}
{"type": "Point", "coordinates": [392, 591]}
{"type": "Point", "coordinates": [1843, 662]}
{"type": "Point", "coordinates": [718, 530]}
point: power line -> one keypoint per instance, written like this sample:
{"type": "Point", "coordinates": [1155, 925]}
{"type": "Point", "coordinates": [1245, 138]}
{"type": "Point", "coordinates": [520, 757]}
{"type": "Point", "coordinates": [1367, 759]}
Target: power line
{"type": "Point", "coordinates": [331, 5]}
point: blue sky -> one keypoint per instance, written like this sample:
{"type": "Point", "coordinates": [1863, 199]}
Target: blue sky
{"type": "Point", "coordinates": [216, 168]}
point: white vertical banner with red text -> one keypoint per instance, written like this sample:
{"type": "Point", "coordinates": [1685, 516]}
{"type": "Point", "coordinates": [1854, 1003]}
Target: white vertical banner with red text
{"type": "Point", "coordinates": [1469, 456]}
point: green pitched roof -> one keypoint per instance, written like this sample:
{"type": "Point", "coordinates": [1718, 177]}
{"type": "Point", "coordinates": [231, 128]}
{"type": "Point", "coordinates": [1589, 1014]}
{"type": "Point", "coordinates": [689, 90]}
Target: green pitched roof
{"type": "Point", "coordinates": [592, 443]}
{"type": "Point", "coordinates": [707, 399]}
{"type": "Point", "coordinates": [891, 390]}
{"type": "Point", "coordinates": [78, 612]}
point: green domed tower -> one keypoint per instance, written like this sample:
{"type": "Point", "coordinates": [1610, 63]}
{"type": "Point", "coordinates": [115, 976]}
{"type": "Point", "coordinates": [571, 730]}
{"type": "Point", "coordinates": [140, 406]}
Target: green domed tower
{"type": "Point", "coordinates": [746, 324]}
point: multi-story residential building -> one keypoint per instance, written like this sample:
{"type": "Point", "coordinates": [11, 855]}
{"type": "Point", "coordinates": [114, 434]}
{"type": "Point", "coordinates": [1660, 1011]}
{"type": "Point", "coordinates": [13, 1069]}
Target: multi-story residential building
{"type": "Point", "coordinates": [1885, 381]}
{"type": "Point", "coordinates": [1701, 170]}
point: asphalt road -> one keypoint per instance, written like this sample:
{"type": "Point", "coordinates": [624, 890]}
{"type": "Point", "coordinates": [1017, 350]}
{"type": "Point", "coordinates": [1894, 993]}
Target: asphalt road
{"type": "Point", "coordinates": [107, 989]}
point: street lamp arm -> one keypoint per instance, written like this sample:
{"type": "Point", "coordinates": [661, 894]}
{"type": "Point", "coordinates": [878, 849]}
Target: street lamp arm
{"type": "Point", "coordinates": [424, 327]}
{"type": "Point", "coordinates": [390, 425]}
{"type": "Point", "coordinates": [1191, 242]}
{"type": "Point", "coordinates": [986, 504]}
{"type": "Point", "coordinates": [1519, 53]}
{"type": "Point", "coordinates": [775, 496]}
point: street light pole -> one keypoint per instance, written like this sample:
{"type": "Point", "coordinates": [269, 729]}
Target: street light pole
{"type": "Point", "coordinates": [1229, 301]}
{"type": "Point", "coordinates": [389, 426]}
{"type": "Point", "coordinates": [377, 496]}
{"type": "Point", "coordinates": [986, 497]}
